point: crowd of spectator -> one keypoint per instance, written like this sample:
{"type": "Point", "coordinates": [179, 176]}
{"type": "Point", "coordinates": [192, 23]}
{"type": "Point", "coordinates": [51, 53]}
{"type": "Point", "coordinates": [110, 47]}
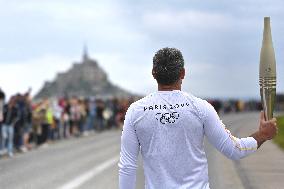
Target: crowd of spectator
{"type": "Point", "coordinates": [235, 105]}
{"type": "Point", "coordinates": [26, 124]}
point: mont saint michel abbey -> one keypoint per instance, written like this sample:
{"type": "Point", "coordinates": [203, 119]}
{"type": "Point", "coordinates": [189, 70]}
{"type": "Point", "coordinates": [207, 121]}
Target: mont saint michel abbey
{"type": "Point", "coordinates": [84, 79]}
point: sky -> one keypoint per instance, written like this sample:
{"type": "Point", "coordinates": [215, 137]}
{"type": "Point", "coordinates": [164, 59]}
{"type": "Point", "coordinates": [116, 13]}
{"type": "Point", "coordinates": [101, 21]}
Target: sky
{"type": "Point", "coordinates": [220, 42]}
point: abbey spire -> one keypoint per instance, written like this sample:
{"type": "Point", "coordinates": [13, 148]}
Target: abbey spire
{"type": "Point", "coordinates": [85, 53]}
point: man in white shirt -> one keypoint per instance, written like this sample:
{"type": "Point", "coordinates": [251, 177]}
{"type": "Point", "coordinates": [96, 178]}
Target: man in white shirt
{"type": "Point", "coordinates": [168, 127]}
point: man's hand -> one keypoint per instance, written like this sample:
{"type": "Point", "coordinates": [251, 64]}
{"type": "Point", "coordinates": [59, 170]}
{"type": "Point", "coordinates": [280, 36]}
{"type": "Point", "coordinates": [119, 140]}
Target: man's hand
{"type": "Point", "coordinates": [267, 130]}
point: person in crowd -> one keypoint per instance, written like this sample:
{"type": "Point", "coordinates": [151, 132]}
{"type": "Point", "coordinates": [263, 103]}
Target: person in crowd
{"type": "Point", "coordinates": [27, 121]}
{"type": "Point", "coordinates": [46, 119]}
{"type": "Point", "coordinates": [99, 116]}
{"type": "Point", "coordinates": [91, 114]}
{"type": "Point", "coordinates": [66, 118]}
{"type": "Point", "coordinates": [37, 122]}
{"type": "Point", "coordinates": [83, 116]}
{"type": "Point", "coordinates": [123, 105]}
{"type": "Point", "coordinates": [57, 110]}
{"type": "Point", "coordinates": [217, 105]}
{"type": "Point", "coordinates": [2, 101]}
{"type": "Point", "coordinates": [75, 116]}
{"type": "Point", "coordinates": [50, 122]}
{"type": "Point", "coordinates": [11, 117]}
{"type": "Point", "coordinates": [19, 126]}
{"type": "Point", "coordinates": [114, 106]}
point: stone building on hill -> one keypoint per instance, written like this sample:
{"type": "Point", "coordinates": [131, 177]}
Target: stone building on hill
{"type": "Point", "coordinates": [84, 79]}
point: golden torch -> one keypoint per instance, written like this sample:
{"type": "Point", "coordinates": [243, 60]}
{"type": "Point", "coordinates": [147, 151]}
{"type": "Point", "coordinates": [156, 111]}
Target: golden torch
{"type": "Point", "coordinates": [267, 72]}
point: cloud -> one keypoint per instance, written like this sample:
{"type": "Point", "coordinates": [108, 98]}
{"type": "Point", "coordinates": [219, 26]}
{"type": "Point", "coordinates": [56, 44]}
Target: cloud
{"type": "Point", "coordinates": [123, 71]}
{"type": "Point", "coordinates": [207, 80]}
{"type": "Point", "coordinates": [180, 21]}
{"type": "Point", "coordinates": [58, 25]}
{"type": "Point", "coordinates": [72, 11]}
{"type": "Point", "coordinates": [19, 76]}
{"type": "Point", "coordinates": [218, 40]}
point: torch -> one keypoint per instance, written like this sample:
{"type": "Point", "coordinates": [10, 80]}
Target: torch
{"type": "Point", "coordinates": [267, 72]}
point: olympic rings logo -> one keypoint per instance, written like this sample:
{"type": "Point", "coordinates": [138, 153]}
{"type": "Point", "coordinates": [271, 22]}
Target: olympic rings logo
{"type": "Point", "coordinates": [167, 117]}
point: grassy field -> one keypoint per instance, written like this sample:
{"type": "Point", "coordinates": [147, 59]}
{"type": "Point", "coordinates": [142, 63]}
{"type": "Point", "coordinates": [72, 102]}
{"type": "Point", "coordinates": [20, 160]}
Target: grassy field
{"type": "Point", "coordinates": [279, 139]}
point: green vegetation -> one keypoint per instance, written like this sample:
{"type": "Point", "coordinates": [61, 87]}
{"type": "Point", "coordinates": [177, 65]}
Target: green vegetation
{"type": "Point", "coordinates": [279, 139]}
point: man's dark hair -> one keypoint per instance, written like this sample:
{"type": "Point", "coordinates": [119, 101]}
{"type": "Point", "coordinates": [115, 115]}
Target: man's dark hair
{"type": "Point", "coordinates": [167, 65]}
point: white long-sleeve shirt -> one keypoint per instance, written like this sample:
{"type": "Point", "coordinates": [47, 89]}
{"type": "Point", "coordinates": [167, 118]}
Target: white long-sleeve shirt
{"type": "Point", "coordinates": [169, 128]}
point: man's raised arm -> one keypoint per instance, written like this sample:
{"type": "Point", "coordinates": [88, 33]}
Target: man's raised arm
{"type": "Point", "coordinates": [231, 146]}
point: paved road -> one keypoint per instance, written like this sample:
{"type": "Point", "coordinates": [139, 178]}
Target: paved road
{"type": "Point", "coordinates": [87, 162]}
{"type": "Point", "coordinates": [91, 162]}
{"type": "Point", "coordinates": [262, 170]}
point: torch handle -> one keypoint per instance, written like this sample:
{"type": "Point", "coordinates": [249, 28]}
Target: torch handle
{"type": "Point", "coordinates": [268, 93]}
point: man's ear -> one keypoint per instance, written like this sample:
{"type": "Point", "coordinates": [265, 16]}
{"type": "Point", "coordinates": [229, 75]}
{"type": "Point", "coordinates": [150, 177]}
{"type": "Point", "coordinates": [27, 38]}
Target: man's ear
{"type": "Point", "coordinates": [153, 74]}
{"type": "Point", "coordinates": [182, 73]}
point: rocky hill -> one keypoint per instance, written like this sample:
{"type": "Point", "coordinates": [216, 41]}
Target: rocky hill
{"type": "Point", "coordinates": [84, 79]}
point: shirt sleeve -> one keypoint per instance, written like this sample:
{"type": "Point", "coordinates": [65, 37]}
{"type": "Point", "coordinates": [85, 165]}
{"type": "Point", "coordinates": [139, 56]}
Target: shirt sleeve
{"type": "Point", "coordinates": [220, 137]}
{"type": "Point", "coordinates": [128, 154]}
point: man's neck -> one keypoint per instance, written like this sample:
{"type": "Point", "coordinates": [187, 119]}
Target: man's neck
{"type": "Point", "coordinates": [176, 86]}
